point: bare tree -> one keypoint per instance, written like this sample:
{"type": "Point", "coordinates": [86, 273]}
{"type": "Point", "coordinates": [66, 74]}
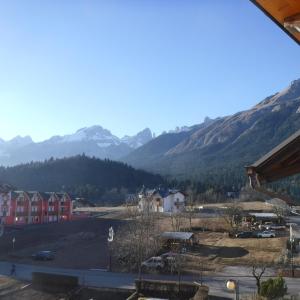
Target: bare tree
{"type": "Point", "coordinates": [257, 273]}
{"type": "Point", "coordinates": [233, 216]}
{"type": "Point", "coordinates": [280, 212]}
{"type": "Point", "coordinates": [177, 221]}
{"type": "Point", "coordinates": [189, 208]}
{"type": "Point", "coordinates": [137, 240]}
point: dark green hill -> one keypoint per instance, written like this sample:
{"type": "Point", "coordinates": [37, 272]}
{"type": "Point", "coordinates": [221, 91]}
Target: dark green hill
{"type": "Point", "coordinates": [95, 179]}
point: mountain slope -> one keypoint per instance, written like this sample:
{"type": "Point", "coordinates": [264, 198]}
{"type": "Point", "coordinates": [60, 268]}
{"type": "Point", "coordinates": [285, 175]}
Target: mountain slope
{"type": "Point", "coordinates": [224, 146]}
{"type": "Point", "coordinates": [93, 141]}
{"type": "Point", "coordinates": [80, 176]}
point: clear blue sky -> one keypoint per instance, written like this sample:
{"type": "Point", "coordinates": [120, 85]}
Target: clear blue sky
{"type": "Point", "coordinates": [131, 64]}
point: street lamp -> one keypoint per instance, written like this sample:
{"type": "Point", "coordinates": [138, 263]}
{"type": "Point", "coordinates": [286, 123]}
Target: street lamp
{"type": "Point", "coordinates": [110, 239]}
{"type": "Point", "coordinates": [292, 240]}
{"type": "Point", "coordinates": [13, 243]}
{"type": "Point", "coordinates": [233, 285]}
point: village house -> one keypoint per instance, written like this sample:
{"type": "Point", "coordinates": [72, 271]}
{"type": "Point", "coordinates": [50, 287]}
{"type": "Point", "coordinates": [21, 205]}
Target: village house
{"type": "Point", "coordinates": [162, 200]}
{"type": "Point", "coordinates": [20, 207]}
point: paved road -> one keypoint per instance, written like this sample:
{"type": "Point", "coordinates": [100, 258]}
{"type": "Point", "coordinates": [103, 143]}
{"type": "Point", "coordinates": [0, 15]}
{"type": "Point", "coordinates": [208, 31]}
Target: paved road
{"type": "Point", "coordinates": [101, 278]}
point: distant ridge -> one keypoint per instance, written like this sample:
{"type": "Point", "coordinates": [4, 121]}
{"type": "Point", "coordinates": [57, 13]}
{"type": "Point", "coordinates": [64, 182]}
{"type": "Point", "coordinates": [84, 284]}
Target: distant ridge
{"type": "Point", "coordinates": [81, 176]}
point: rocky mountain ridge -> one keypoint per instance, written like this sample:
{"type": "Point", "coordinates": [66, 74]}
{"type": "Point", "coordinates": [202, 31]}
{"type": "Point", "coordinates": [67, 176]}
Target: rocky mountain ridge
{"type": "Point", "coordinates": [93, 141]}
{"type": "Point", "coordinates": [224, 143]}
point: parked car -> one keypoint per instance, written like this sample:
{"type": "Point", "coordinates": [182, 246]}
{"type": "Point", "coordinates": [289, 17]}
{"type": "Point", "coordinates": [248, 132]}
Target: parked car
{"type": "Point", "coordinates": [266, 234]}
{"type": "Point", "coordinates": [168, 255]}
{"type": "Point", "coordinates": [154, 263]}
{"type": "Point", "coordinates": [169, 258]}
{"type": "Point", "coordinates": [244, 234]}
{"type": "Point", "coordinates": [43, 255]}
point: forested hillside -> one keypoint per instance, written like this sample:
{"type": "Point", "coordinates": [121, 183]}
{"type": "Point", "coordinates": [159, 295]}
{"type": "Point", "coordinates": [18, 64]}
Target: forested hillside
{"type": "Point", "coordinates": [96, 179]}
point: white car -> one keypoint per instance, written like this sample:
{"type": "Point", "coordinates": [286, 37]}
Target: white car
{"type": "Point", "coordinates": [155, 262]}
{"type": "Point", "coordinates": [266, 234]}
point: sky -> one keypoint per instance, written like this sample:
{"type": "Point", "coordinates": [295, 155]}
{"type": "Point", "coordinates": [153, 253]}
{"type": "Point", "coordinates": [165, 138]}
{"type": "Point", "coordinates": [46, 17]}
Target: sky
{"type": "Point", "coordinates": [131, 64]}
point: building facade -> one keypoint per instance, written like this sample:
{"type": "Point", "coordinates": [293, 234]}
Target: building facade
{"type": "Point", "coordinates": [20, 207]}
{"type": "Point", "coordinates": [159, 200]}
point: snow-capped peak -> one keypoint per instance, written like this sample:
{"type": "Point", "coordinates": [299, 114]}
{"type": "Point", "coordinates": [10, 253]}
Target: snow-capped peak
{"type": "Point", "coordinates": [20, 141]}
{"type": "Point", "coordinates": [103, 137]}
{"type": "Point", "coordinates": [139, 139]}
{"type": "Point", "coordinates": [94, 133]}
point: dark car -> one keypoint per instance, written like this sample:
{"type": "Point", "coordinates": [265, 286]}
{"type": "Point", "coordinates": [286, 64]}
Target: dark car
{"type": "Point", "coordinates": [43, 255]}
{"type": "Point", "coordinates": [244, 234]}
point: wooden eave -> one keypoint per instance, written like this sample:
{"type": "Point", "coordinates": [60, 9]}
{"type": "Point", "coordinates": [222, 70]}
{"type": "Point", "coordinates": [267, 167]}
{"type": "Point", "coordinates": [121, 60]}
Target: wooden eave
{"type": "Point", "coordinates": [281, 161]}
{"type": "Point", "coordinates": [282, 12]}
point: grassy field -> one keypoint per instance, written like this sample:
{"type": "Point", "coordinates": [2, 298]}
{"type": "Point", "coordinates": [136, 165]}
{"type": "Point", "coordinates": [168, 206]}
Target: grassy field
{"type": "Point", "coordinates": [243, 251]}
{"type": "Point", "coordinates": [216, 249]}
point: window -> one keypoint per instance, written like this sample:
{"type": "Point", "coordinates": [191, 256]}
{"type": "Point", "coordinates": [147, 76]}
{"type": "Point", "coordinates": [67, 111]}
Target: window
{"type": "Point", "coordinates": [34, 208]}
{"type": "Point", "coordinates": [20, 208]}
{"type": "Point", "coordinates": [51, 208]}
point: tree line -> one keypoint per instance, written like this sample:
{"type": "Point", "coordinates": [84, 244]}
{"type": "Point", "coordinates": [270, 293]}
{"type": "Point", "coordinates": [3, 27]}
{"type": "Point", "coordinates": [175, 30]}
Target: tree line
{"type": "Point", "coordinates": [81, 176]}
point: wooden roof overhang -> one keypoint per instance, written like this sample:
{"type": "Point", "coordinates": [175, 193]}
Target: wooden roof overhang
{"type": "Point", "coordinates": [285, 13]}
{"type": "Point", "coordinates": [280, 162]}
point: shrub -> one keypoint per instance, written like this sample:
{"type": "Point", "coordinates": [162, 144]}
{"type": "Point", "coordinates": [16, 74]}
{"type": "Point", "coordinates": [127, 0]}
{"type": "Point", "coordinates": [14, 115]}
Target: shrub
{"type": "Point", "coordinates": [273, 288]}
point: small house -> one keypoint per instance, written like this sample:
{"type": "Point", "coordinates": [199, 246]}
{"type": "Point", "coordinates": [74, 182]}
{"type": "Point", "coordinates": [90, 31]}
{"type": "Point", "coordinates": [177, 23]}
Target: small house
{"type": "Point", "coordinates": [162, 200]}
{"type": "Point", "coordinates": [185, 239]}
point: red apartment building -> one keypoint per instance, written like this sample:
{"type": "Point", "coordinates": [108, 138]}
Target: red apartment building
{"type": "Point", "coordinates": [20, 207]}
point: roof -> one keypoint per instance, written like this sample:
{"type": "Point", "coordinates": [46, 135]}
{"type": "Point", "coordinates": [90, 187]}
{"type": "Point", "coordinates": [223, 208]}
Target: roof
{"type": "Point", "coordinates": [285, 13]}
{"type": "Point", "coordinates": [281, 161]}
{"type": "Point", "coordinates": [18, 193]}
{"type": "Point", "coordinates": [5, 188]}
{"type": "Point", "coordinates": [277, 202]}
{"type": "Point", "coordinates": [175, 235]}
{"type": "Point", "coordinates": [263, 215]}
{"type": "Point", "coordinates": [162, 192]}
{"type": "Point", "coordinates": [45, 196]}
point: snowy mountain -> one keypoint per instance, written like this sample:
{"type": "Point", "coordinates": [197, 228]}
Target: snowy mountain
{"type": "Point", "coordinates": [93, 141]}
{"type": "Point", "coordinates": [139, 139]}
{"type": "Point", "coordinates": [98, 134]}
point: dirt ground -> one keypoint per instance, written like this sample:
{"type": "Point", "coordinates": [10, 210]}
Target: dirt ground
{"type": "Point", "coordinates": [253, 205]}
{"type": "Point", "coordinates": [76, 244]}
{"type": "Point", "coordinates": [115, 212]}
{"type": "Point", "coordinates": [233, 251]}
{"type": "Point", "coordinates": [215, 249]}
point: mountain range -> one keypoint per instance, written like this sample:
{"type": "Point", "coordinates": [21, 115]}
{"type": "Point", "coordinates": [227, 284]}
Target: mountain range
{"type": "Point", "coordinates": [220, 148]}
{"type": "Point", "coordinates": [214, 151]}
{"type": "Point", "coordinates": [92, 141]}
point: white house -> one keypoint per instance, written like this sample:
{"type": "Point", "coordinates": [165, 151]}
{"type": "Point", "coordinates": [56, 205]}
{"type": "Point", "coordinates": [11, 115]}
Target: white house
{"type": "Point", "coordinates": [162, 200]}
